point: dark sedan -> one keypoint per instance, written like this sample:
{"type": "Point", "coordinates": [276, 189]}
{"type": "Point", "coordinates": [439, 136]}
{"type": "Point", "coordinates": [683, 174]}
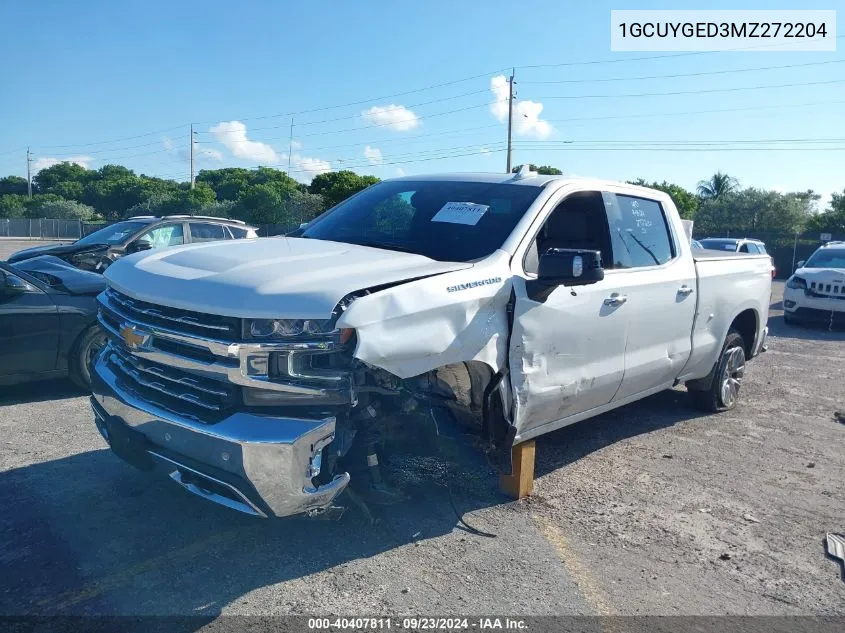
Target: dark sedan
{"type": "Point", "coordinates": [48, 321]}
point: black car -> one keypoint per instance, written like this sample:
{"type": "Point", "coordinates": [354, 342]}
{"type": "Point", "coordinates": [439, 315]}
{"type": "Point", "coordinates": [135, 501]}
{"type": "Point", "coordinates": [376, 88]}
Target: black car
{"type": "Point", "coordinates": [48, 321]}
{"type": "Point", "coordinates": [96, 251]}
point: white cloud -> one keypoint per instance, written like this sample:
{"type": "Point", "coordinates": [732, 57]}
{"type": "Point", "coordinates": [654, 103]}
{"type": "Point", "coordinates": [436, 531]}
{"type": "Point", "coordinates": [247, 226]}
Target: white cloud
{"type": "Point", "coordinates": [526, 114]}
{"type": "Point", "coordinates": [484, 150]}
{"type": "Point", "coordinates": [184, 154]}
{"type": "Point", "coordinates": [211, 154]}
{"type": "Point", "coordinates": [400, 172]}
{"type": "Point", "coordinates": [295, 145]}
{"type": "Point", "coordinates": [373, 155]}
{"type": "Point", "coordinates": [306, 168]}
{"type": "Point", "coordinates": [232, 135]}
{"type": "Point", "coordinates": [48, 161]}
{"type": "Point", "coordinates": [395, 117]}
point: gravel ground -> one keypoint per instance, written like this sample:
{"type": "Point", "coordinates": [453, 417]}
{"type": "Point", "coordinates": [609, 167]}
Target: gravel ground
{"type": "Point", "coordinates": [651, 509]}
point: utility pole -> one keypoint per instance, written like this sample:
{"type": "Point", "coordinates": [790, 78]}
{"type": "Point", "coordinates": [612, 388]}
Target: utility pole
{"type": "Point", "coordinates": [28, 174]}
{"type": "Point", "coordinates": [290, 145]}
{"type": "Point", "coordinates": [192, 155]}
{"type": "Point", "coordinates": [510, 116]}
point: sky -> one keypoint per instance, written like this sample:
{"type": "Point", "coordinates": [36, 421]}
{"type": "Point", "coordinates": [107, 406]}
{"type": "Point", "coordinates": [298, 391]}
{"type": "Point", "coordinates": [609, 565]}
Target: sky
{"type": "Point", "coordinates": [395, 88]}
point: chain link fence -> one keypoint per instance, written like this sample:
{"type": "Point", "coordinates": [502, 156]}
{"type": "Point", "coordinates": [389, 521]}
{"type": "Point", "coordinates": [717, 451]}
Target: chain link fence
{"type": "Point", "coordinates": [41, 228]}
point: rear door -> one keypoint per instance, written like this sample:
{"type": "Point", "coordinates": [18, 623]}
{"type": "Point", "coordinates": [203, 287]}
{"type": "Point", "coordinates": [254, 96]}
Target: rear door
{"type": "Point", "coordinates": [29, 326]}
{"type": "Point", "coordinates": [653, 263]}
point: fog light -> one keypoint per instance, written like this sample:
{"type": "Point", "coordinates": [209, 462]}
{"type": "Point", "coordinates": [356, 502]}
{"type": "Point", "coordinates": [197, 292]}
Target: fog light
{"type": "Point", "coordinates": [258, 365]}
{"type": "Point", "coordinates": [789, 304]}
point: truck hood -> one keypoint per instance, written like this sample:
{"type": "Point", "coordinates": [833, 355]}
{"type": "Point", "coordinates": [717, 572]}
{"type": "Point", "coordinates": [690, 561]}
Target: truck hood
{"type": "Point", "coordinates": [272, 277]}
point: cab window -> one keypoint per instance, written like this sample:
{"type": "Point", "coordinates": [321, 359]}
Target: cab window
{"type": "Point", "coordinates": [639, 231]}
{"type": "Point", "coordinates": [164, 235]}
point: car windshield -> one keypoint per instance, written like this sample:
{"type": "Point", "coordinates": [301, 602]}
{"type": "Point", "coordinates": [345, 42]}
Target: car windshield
{"type": "Point", "coordinates": [827, 259]}
{"type": "Point", "coordinates": [442, 220]}
{"type": "Point", "coordinates": [112, 234]}
{"type": "Point", "coordinates": [721, 245]}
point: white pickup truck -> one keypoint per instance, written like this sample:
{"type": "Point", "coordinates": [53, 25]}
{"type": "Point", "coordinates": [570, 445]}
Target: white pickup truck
{"type": "Point", "coordinates": [260, 373]}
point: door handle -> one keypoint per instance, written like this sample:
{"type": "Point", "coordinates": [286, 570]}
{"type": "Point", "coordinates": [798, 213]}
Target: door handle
{"type": "Point", "coordinates": [615, 299]}
{"type": "Point", "coordinates": [685, 290]}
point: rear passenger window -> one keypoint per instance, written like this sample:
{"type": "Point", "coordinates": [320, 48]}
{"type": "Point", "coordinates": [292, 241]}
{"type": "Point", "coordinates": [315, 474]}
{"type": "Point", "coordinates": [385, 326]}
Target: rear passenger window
{"type": "Point", "coordinates": [237, 232]}
{"type": "Point", "coordinates": [639, 232]}
{"type": "Point", "coordinates": [746, 248]}
{"type": "Point", "coordinates": [201, 232]}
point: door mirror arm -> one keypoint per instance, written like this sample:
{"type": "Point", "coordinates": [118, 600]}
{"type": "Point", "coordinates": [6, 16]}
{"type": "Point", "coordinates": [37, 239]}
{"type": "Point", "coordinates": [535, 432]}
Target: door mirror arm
{"type": "Point", "coordinates": [564, 266]}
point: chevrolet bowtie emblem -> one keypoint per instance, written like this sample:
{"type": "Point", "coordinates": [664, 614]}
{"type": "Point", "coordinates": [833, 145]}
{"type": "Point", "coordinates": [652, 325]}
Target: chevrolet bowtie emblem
{"type": "Point", "coordinates": [132, 337]}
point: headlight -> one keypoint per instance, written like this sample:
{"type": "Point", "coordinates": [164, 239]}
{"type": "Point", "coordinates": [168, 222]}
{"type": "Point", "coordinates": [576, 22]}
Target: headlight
{"type": "Point", "coordinates": [796, 283]}
{"type": "Point", "coordinates": [284, 328]}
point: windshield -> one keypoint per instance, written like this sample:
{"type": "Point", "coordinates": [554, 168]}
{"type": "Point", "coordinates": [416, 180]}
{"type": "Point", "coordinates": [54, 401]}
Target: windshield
{"type": "Point", "coordinates": [112, 234]}
{"type": "Point", "coordinates": [827, 259]}
{"type": "Point", "coordinates": [442, 220]}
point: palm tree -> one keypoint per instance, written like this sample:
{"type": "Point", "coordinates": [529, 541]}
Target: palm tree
{"type": "Point", "coordinates": [718, 185]}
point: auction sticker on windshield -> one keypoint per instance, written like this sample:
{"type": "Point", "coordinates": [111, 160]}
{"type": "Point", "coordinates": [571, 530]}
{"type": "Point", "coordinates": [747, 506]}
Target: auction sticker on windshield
{"type": "Point", "coordinates": [461, 213]}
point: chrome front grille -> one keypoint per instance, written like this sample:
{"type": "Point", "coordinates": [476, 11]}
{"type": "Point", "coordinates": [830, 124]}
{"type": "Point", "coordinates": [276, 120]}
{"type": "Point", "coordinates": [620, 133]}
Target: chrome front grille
{"type": "Point", "coordinates": [158, 355]}
{"type": "Point", "coordinates": [171, 383]}
{"type": "Point", "coordinates": [225, 328]}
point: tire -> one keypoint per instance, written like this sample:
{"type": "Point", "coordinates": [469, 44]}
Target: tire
{"type": "Point", "coordinates": [788, 319]}
{"type": "Point", "coordinates": [82, 356]}
{"type": "Point", "coordinates": [723, 392]}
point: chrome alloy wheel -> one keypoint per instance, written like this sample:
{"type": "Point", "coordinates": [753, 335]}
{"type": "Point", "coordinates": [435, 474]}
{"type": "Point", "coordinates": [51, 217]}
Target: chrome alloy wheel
{"type": "Point", "coordinates": [732, 370]}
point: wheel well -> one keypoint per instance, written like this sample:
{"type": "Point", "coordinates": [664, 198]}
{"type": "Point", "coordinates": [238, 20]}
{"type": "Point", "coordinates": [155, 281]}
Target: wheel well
{"type": "Point", "coordinates": [746, 324]}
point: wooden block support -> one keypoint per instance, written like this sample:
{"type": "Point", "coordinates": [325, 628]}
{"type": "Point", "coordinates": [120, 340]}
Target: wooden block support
{"type": "Point", "coordinates": [520, 482]}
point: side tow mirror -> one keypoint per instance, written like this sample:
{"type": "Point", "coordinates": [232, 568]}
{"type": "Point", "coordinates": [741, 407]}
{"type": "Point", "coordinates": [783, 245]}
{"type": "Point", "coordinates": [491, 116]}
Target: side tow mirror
{"type": "Point", "coordinates": [565, 267]}
{"type": "Point", "coordinates": [799, 264]}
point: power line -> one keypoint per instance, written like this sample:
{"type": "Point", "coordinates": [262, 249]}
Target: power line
{"type": "Point", "coordinates": [116, 140]}
{"type": "Point", "coordinates": [363, 101]}
{"type": "Point", "coordinates": [651, 57]}
{"type": "Point", "coordinates": [680, 75]}
{"type": "Point", "coordinates": [687, 112]}
{"type": "Point", "coordinates": [690, 92]}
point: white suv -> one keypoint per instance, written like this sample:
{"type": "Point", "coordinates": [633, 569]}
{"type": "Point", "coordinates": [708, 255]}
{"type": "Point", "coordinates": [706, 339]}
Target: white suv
{"type": "Point", "coordinates": [816, 292]}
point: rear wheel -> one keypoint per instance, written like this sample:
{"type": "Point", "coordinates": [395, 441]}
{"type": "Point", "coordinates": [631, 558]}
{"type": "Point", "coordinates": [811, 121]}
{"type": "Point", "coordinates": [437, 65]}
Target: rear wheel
{"type": "Point", "coordinates": [723, 392]}
{"type": "Point", "coordinates": [788, 319]}
{"type": "Point", "coordinates": [83, 355]}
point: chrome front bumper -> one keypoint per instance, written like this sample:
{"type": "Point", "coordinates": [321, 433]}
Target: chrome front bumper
{"type": "Point", "coordinates": [261, 465]}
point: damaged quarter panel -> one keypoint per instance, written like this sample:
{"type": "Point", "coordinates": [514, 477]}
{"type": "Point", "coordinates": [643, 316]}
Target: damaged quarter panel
{"type": "Point", "coordinates": [421, 325]}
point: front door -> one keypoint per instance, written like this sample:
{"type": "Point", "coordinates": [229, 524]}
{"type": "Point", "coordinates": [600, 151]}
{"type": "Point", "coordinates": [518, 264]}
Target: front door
{"type": "Point", "coordinates": [567, 353]}
{"type": "Point", "coordinates": [29, 327]}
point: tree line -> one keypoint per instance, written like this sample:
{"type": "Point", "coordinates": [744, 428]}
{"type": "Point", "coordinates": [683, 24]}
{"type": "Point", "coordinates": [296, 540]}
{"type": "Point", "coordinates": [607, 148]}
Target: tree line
{"type": "Point", "coordinates": [113, 192]}
{"type": "Point", "coordinates": [269, 196]}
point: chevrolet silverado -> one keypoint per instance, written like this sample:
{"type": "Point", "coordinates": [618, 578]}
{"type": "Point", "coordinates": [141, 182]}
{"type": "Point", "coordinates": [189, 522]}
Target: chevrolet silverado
{"type": "Point", "coordinates": [266, 374]}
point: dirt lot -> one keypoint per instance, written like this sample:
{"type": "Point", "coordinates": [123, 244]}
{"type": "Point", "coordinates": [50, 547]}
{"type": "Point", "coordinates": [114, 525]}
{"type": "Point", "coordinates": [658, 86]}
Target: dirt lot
{"type": "Point", "coordinates": [652, 509]}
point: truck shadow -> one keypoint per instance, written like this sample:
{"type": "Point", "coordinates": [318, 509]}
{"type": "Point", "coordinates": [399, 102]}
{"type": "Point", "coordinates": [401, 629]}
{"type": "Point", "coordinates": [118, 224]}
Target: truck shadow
{"type": "Point", "coordinates": [39, 391]}
{"type": "Point", "coordinates": [88, 534]}
{"type": "Point", "coordinates": [571, 443]}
